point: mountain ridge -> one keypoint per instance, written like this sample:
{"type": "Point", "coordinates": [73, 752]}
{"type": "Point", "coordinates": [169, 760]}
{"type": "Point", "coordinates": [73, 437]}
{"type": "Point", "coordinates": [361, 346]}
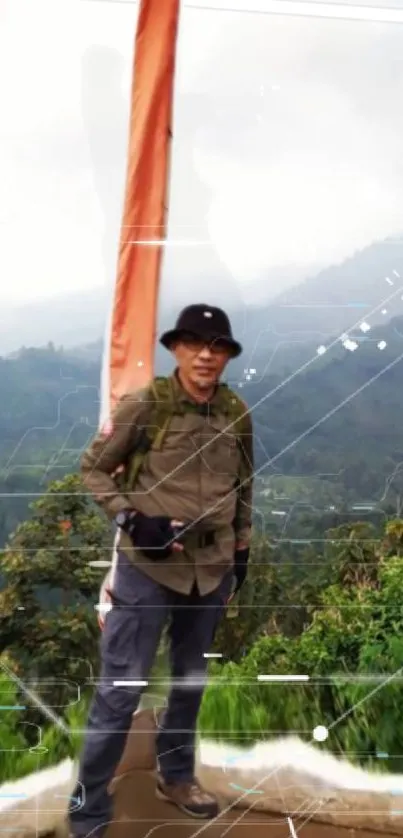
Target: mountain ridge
{"type": "Point", "coordinates": [329, 301]}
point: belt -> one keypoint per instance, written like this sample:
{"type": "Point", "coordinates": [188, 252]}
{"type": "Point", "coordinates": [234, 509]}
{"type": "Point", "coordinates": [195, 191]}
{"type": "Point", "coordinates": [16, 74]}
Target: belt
{"type": "Point", "coordinates": [201, 539]}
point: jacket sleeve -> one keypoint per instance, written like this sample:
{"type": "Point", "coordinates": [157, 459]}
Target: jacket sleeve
{"type": "Point", "coordinates": [109, 449]}
{"type": "Point", "coordinates": [243, 518]}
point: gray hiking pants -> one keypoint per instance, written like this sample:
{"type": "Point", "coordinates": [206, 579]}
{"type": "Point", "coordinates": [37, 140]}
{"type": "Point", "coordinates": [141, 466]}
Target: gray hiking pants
{"type": "Point", "coordinates": [129, 643]}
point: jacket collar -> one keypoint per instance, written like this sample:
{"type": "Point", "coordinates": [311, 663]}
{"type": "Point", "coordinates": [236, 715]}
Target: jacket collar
{"type": "Point", "coordinates": [183, 396]}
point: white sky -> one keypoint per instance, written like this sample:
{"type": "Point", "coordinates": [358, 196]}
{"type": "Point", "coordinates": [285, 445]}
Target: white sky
{"type": "Point", "coordinates": [287, 146]}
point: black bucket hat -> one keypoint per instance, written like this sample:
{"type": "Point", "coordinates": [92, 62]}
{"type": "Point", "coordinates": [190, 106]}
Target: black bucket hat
{"type": "Point", "coordinates": [207, 322]}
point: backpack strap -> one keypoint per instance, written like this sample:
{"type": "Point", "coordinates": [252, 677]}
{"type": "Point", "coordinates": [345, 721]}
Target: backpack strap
{"type": "Point", "coordinates": [162, 407]}
{"type": "Point", "coordinates": [236, 411]}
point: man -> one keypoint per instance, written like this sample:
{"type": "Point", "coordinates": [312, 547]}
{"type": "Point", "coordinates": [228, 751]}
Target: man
{"type": "Point", "coordinates": [185, 527]}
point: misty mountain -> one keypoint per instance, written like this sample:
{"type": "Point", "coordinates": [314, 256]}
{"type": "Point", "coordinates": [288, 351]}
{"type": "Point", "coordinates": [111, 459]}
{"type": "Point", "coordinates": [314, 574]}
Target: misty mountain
{"type": "Point", "coordinates": [65, 320]}
{"type": "Point", "coordinates": [368, 285]}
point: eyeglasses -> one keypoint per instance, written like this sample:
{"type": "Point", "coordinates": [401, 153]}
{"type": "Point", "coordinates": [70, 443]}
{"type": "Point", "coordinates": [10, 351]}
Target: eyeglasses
{"type": "Point", "coordinates": [217, 346]}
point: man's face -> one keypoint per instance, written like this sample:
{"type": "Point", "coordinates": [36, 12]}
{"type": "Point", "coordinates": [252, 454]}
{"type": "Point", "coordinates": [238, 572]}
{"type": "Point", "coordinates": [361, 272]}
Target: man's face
{"type": "Point", "coordinates": [201, 363]}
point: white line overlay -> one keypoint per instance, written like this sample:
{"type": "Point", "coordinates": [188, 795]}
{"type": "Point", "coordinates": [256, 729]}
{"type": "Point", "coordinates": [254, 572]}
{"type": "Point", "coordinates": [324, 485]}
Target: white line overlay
{"type": "Point", "coordinates": [283, 678]}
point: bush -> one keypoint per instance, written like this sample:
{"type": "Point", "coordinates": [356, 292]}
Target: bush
{"type": "Point", "coordinates": [52, 745]}
{"type": "Point", "coordinates": [353, 654]}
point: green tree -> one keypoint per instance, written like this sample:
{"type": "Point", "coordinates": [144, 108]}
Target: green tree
{"type": "Point", "coordinates": [49, 626]}
{"type": "Point", "coordinates": [353, 552]}
{"type": "Point", "coordinates": [392, 543]}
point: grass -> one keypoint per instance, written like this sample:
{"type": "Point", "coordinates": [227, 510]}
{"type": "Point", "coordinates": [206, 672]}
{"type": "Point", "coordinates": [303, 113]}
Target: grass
{"type": "Point", "coordinates": [231, 711]}
{"type": "Point", "coordinates": [17, 760]}
{"type": "Point", "coordinates": [223, 710]}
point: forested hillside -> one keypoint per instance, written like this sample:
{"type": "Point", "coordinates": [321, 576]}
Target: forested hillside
{"type": "Point", "coordinates": [325, 303]}
{"type": "Point", "coordinates": [327, 424]}
{"type": "Point", "coordinates": [48, 411]}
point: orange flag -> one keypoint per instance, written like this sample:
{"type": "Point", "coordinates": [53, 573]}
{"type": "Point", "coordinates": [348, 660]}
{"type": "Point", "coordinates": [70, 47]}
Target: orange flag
{"type": "Point", "coordinates": [128, 361]}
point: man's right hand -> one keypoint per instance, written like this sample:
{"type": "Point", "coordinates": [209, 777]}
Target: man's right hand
{"type": "Point", "coordinates": [156, 536]}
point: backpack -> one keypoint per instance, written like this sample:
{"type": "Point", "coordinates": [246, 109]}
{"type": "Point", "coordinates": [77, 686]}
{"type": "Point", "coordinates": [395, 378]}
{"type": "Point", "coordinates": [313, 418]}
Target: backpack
{"type": "Point", "coordinates": [162, 409]}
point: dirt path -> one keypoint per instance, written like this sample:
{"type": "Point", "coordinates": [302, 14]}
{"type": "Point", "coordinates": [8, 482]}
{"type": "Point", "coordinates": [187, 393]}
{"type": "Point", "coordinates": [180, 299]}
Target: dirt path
{"type": "Point", "coordinates": [140, 814]}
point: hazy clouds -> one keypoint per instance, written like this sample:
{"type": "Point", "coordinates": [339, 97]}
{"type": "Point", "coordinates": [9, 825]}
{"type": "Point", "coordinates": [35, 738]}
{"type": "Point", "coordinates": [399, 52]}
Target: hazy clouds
{"type": "Point", "coordinates": [286, 152]}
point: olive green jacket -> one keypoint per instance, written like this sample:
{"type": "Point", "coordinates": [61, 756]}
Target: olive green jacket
{"type": "Point", "coordinates": [191, 479]}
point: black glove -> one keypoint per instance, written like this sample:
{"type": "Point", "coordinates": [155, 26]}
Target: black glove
{"type": "Point", "coordinates": [152, 535]}
{"type": "Point", "coordinates": [240, 567]}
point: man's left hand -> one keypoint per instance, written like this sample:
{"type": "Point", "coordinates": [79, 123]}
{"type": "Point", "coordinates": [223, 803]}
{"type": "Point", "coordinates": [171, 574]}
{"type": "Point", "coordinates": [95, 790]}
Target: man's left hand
{"type": "Point", "coordinates": [241, 557]}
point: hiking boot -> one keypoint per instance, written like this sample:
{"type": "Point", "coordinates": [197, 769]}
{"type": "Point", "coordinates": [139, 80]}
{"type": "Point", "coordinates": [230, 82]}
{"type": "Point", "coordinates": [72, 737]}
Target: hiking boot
{"type": "Point", "coordinates": [189, 797]}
